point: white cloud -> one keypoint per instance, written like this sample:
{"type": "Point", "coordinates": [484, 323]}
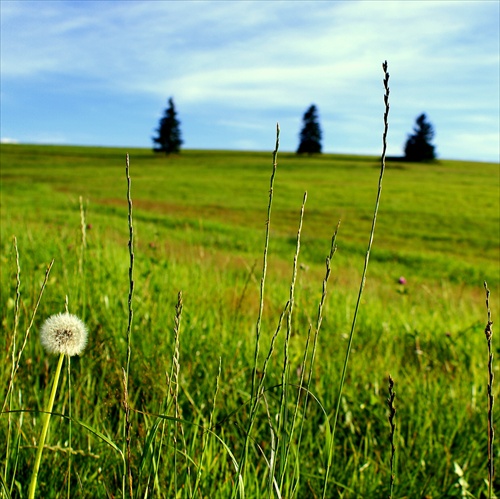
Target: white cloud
{"type": "Point", "coordinates": [151, 41]}
{"type": "Point", "coordinates": [471, 145]}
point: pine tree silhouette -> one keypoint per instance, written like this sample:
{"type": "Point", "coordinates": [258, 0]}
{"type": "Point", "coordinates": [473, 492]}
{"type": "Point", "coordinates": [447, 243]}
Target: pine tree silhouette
{"type": "Point", "coordinates": [310, 135]}
{"type": "Point", "coordinates": [418, 146]}
{"type": "Point", "coordinates": [169, 132]}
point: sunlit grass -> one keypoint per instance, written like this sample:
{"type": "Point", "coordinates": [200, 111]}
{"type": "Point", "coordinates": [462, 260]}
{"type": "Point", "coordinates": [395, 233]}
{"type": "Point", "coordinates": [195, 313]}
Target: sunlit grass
{"type": "Point", "coordinates": [199, 222]}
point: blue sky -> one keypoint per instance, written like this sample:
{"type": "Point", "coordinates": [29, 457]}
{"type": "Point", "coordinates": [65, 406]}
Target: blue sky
{"type": "Point", "coordinates": [101, 72]}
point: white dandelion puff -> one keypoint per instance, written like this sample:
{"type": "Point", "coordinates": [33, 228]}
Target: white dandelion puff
{"type": "Point", "coordinates": [64, 334]}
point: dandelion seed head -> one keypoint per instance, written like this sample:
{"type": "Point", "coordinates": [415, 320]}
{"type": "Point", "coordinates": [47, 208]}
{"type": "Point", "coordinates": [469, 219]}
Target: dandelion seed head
{"type": "Point", "coordinates": [64, 333]}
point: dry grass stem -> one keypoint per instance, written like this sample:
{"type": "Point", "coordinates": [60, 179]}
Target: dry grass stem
{"type": "Point", "coordinates": [83, 228]}
{"type": "Point", "coordinates": [264, 262]}
{"type": "Point", "coordinates": [126, 387]}
{"type": "Point", "coordinates": [283, 431]}
{"type": "Point", "coordinates": [8, 396]}
{"type": "Point", "coordinates": [392, 424]}
{"type": "Point", "coordinates": [363, 277]}
{"type": "Point", "coordinates": [240, 482]}
{"type": "Point", "coordinates": [175, 380]}
{"type": "Point", "coordinates": [488, 331]}
{"type": "Point", "coordinates": [126, 408]}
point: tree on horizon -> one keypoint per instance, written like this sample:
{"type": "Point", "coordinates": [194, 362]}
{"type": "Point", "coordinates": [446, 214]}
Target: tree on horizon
{"type": "Point", "coordinates": [168, 139]}
{"type": "Point", "coordinates": [418, 146]}
{"type": "Point", "coordinates": [310, 135]}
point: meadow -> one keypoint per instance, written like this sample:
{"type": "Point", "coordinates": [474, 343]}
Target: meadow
{"type": "Point", "coordinates": [199, 227]}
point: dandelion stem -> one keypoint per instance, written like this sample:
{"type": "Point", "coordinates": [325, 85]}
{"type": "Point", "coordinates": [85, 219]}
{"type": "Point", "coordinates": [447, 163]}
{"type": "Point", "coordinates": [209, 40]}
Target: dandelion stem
{"type": "Point", "coordinates": [41, 443]}
{"type": "Point", "coordinates": [70, 427]}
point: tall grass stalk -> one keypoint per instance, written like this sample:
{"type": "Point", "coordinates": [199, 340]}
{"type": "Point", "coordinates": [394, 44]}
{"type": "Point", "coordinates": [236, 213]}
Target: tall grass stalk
{"type": "Point", "coordinates": [300, 387]}
{"type": "Point", "coordinates": [70, 420]}
{"type": "Point", "coordinates": [264, 263]}
{"type": "Point", "coordinates": [175, 380]}
{"type": "Point", "coordinates": [126, 388]}
{"type": "Point", "coordinates": [240, 483]}
{"type": "Point", "coordinates": [83, 228]}
{"type": "Point", "coordinates": [81, 259]}
{"type": "Point", "coordinates": [285, 434]}
{"type": "Point", "coordinates": [392, 424]}
{"type": "Point", "coordinates": [153, 446]}
{"type": "Point", "coordinates": [272, 433]}
{"type": "Point", "coordinates": [363, 277]}
{"type": "Point", "coordinates": [126, 407]}
{"type": "Point", "coordinates": [26, 335]}
{"type": "Point", "coordinates": [488, 331]}
{"type": "Point", "coordinates": [260, 394]}
{"type": "Point", "coordinates": [319, 319]}
{"type": "Point", "coordinates": [171, 398]}
{"type": "Point", "coordinates": [206, 433]}
{"type": "Point", "coordinates": [13, 354]}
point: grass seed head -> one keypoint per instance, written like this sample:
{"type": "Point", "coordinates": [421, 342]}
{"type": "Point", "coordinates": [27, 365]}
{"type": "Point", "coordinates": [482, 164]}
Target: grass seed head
{"type": "Point", "coordinates": [64, 333]}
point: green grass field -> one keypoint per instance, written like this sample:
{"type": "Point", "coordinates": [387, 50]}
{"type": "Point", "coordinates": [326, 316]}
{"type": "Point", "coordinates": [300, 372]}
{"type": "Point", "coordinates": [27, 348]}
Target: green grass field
{"type": "Point", "coordinates": [199, 224]}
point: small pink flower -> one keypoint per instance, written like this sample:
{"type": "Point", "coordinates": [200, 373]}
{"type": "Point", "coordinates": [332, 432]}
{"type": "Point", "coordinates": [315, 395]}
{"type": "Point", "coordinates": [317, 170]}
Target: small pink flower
{"type": "Point", "coordinates": [402, 280]}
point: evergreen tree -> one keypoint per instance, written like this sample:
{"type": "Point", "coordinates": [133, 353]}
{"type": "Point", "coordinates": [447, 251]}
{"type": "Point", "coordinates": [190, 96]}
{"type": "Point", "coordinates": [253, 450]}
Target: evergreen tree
{"type": "Point", "coordinates": [418, 146]}
{"type": "Point", "coordinates": [310, 136]}
{"type": "Point", "coordinates": [169, 132]}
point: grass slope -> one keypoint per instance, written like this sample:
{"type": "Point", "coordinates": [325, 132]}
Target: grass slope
{"type": "Point", "coordinates": [199, 221]}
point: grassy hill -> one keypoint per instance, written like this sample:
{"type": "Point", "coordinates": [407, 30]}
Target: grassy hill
{"type": "Point", "coordinates": [438, 221]}
{"type": "Point", "coordinates": [199, 225]}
